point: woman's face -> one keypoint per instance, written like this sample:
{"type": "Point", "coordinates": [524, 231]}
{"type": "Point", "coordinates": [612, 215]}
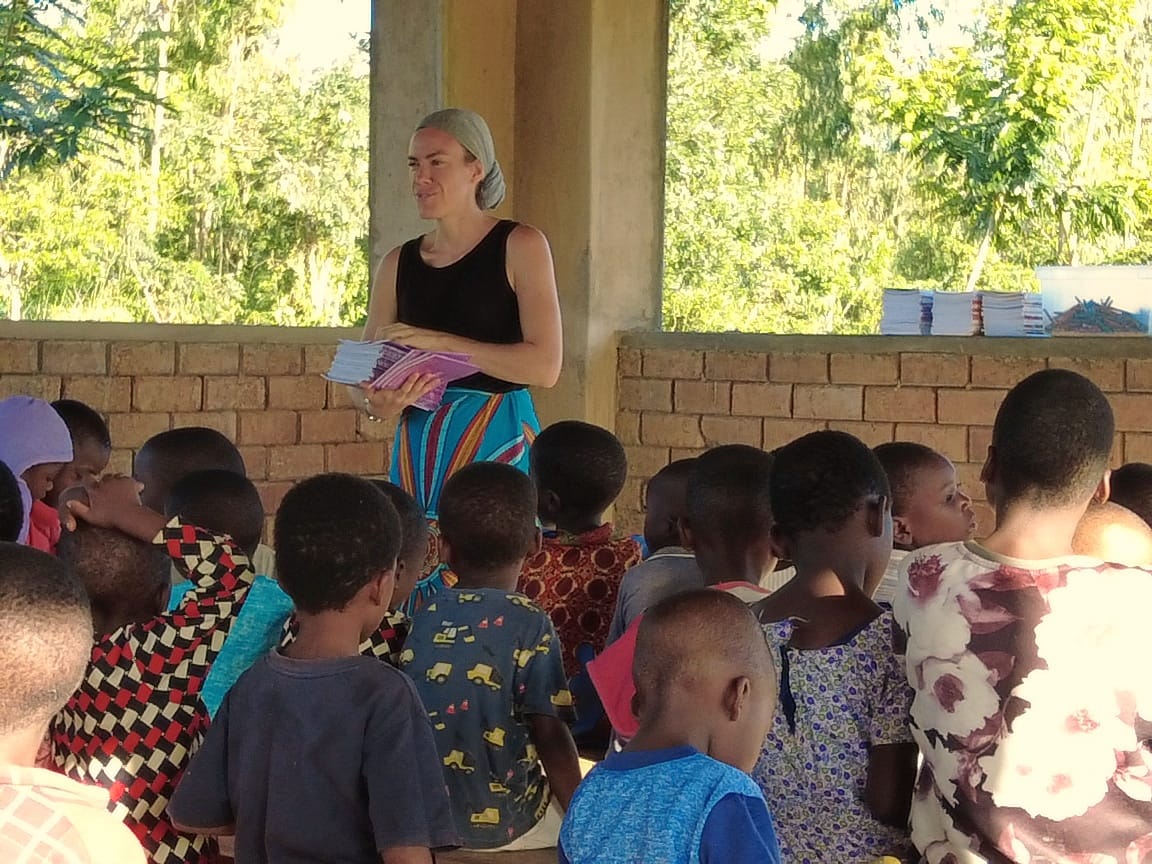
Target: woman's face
{"type": "Point", "coordinates": [444, 177]}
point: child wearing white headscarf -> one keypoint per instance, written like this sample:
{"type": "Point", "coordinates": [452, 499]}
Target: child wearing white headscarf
{"type": "Point", "coordinates": [35, 444]}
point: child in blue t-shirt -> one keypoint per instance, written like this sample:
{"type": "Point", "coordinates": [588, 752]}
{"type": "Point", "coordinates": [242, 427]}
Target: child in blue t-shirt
{"type": "Point", "coordinates": [705, 696]}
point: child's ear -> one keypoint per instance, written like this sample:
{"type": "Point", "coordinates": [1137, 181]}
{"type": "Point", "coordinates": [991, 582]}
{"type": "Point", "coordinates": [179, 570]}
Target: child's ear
{"type": "Point", "coordinates": [736, 696]}
{"type": "Point", "coordinates": [989, 470]}
{"type": "Point", "coordinates": [380, 589]}
{"type": "Point", "coordinates": [548, 505]}
{"type": "Point", "coordinates": [781, 544]}
{"type": "Point", "coordinates": [876, 515]}
{"type": "Point", "coordinates": [537, 543]}
{"type": "Point", "coordinates": [1104, 490]}
{"type": "Point", "coordinates": [686, 538]}
{"type": "Point", "coordinates": [902, 532]}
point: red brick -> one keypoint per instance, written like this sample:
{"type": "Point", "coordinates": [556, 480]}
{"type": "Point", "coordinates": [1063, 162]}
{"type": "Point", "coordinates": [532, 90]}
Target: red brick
{"type": "Point", "coordinates": [702, 397]}
{"type": "Point", "coordinates": [1139, 375]}
{"type": "Point", "coordinates": [255, 462]}
{"type": "Point", "coordinates": [762, 400]}
{"type": "Point", "coordinates": [295, 462]}
{"type": "Point", "coordinates": [362, 457]}
{"type": "Point", "coordinates": [870, 433]}
{"type": "Point", "coordinates": [104, 393]}
{"type": "Point", "coordinates": [74, 358]}
{"type": "Point", "coordinates": [670, 430]}
{"type": "Point", "coordinates": [968, 476]}
{"type": "Point", "coordinates": [777, 433]}
{"type": "Point", "coordinates": [940, 370]}
{"type": "Point", "coordinates": [119, 462]}
{"type": "Point", "coordinates": [732, 430]}
{"type": "Point", "coordinates": [975, 407]}
{"type": "Point", "coordinates": [267, 427]}
{"type": "Point", "coordinates": [950, 441]}
{"type": "Point", "coordinates": [167, 393]}
{"type": "Point", "coordinates": [266, 359]}
{"type": "Point", "coordinates": [629, 362]}
{"type": "Point", "coordinates": [672, 363]}
{"type": "Point", "coordinates": [340, 396]}
{"type": "Point", "coordinates": [370, 430]}
{"type": "Point", "coordinates": [19, 355]}
{"type": "Point", "coordinates": [143, 358]}
{"type": "Point", "coordinates": [798, 368]}
{"type": "Point", "coordinates": [1004, 371]}
{"type": "Point", "coordinates": [223, 422]}
{"type": "Point", "coordinates": [328, 427]}
{"type": "Point", "coordinates": [318, 358]}
{"type": "Point", "coordinates": [1107, 373]}
{"type": "Point", "coordinates": [865, 368]}
{"type": "Point", "coordinates": [730, 366]}
{"type": "Point", "coordinates": [900, 404]}
{"type": "Point", "coordinates": [297, 391]}
{"type": "Point", "coordinates": [1117, 457]}
{"type": "Point", "coordinates": [1137, 447]}
{"type": "Point", "coordinates": [644, 394]}
{"type": "Point", "coordinates": [676, 453]}
{"type": "Point", "coordinates": [631, 498]}
{"type": "Point", "coordinates": [209, 358]}
{"type": "Point", "coordinates": [828, 402]}
{"type": "Point", "coordinates": [132, 430]}
{"type": "Point", "coordinates": [234, 394]}
{"type": "Point", "coordinates": [46, 387]}
{"type": "Point", "coordinates": [628, 428]}
{"type": "Point", "coordinates": [272, 494]}
{"type": "Point", "coordinates": [645, 461]}
{"type": "Point", "coordinates": [979, 440]}
{"type": "Point", "coordinates": [1133, 411]}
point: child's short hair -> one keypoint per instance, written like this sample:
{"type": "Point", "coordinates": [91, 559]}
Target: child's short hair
{"type": "Point", "coordinates": [113, 566]}
{"type": "Point", "coordinates": [488, 515]}
{"type": "Point", "coordinates": [902, 461]}
{"type": "Point", "coordinates": [219, 501]}
{"type": "Point", "coordinates": [1053, 439]}
{"type": "Point", "coordinates": [413, 523]}
{"type": "Point", "coordinates": [83, 422]}
{"type": "Point", "coordinates": [334, 534]}
{"type": "Point", "coordinates": [728, 494]}
{"type": "Point", "coordinates": [583, 464]}
{"type": "Point", "coordinates": [11, 506]}
{"type": "Point", "coordinates": [1132, 488]}
{"type": "Point", "coordinates": [168, 456]}
{"type": "Point", "coordinates": [45, 637]}
{"type": "Point", "coordinates": [821, 479]}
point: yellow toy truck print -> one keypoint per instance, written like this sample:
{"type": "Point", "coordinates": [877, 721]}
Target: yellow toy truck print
{"type": "Point", "coordinates": [563, 699]}
{"type": "Point", "coordinates": [447, 637]}
{"type": "Point", "coordinates": [459, 761]}
{"type": "Point", "coordinates": [522, 656]}
{"type": "Point", "coordinates": [484, 674]}
{"type": "Point", "coordinates": [495, 737]}
{"type": "Point", "coordinates": [406, 656]}
{"type": "Point", "coordinates": [498, 789]}
{"type": "Point", "coordinates": [468, 597]}
{"type": "Point", "coordinates": [488, 816]}
{"type": "Point", "coordinates": [439, 673]}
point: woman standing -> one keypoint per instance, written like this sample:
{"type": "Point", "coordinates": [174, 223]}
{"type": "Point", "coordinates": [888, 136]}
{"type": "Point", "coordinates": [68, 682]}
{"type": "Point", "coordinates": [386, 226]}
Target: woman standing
{"type": "Point", "coordinates": [475, 285]}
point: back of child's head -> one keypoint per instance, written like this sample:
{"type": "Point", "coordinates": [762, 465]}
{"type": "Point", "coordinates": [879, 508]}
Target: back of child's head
{"type": "Point", "coordinates": [219, 501]}
{"type": "Point", "coordinates": [821, 480]}
{"type": "Point", "coordinates": [45, 637]}
{"type": "Point", "coordinates": [168, 456]}
{"type": "Point", "coordinates": [91, 444]}
{"type": "Point", "coordinates": [928, 505]}
{"type": "Point", "coordinates": [126, 579]}
{"type": "Point", "coordinates": [1132, 488]}
{"type": "Point", "coordinates": [902, 461]}
{"type": "Point", "coordinates": [579, 470]}
{"type": "Point", "coordinates": [729, 509]}
{"type": "Point", "coordinates": [1052, 440]}
{"type": "Point", "coordinates": [694, 645]}
{"type": "Point", "coordinates": [1113, 533]}
{"type": "Point", "coordinates": [414, 536]}
{"type": "Point", "coordinates": [334, 534]}
{"type": "Point", "coordinates": [11, 506]}
{"type": "Point", "coordinates": [487, 518]}
{"type": "Point", "coordinates": [32, 436]}
{"type": "Point", "coordinates": [666, 504]}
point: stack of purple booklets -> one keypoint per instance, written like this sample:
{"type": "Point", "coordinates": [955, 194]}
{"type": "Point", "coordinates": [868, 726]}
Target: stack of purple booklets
{"type": "Point", "coordinates": [388, 365]}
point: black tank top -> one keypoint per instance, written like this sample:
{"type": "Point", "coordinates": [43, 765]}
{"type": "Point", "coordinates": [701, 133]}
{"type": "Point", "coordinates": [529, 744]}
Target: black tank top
{"type": "Point", "coordinates": [470, 298]}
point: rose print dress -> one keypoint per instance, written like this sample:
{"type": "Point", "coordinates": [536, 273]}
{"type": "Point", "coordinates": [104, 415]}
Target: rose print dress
{"type": "Point", "coordinates": [1031, 685]}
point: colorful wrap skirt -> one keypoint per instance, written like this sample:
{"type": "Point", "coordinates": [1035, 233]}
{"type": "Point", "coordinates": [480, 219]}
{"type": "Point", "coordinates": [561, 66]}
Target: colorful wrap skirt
{"type": "Point", "coordinates": [469, 426]}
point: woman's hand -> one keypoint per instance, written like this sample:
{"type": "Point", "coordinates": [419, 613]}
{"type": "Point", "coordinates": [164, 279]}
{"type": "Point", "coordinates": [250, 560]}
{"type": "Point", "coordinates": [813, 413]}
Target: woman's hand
{"type": "Point", "coordinates": [414, 337]}
{"type": "Point", "coordinates": [382, 403]}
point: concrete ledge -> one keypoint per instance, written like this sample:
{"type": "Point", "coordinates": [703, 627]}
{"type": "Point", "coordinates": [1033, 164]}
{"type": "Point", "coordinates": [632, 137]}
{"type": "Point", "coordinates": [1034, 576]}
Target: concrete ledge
{"type": "Point", "coordinates": [132, 332]}
{"type": "Point", "coordinates": [1121, 347]}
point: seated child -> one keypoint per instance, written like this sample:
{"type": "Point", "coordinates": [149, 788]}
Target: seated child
{"type": "Point", "coordinates": [1030, 663]}
{"type": "Point", "coordinates": [227, 503]}
{"type": "Point", "coordinates": [11, 506]}
{"type": "Point", "coordinates": [705, 693]}
{"type": "Point", "coordinates": [1109, 532]}
{"type": "Point", "coordinates": [415, 533]}
{"type": "Point", "coordinates": [1131, 487]}
{"type": "Point", "coordinates": [45, 641]}
{"type": "Point", "coordinates": [665, 506]}
{"type": "Point", "coordinates": [838, 767]}
{"type": "Point", "coordinates": [579, 470]}
{"type": "Point", "coordinates": [168, 456]}
{"type": "Point", "coordinates": [137, 713]}
{"type": "Point", "coordinates": [35, 444]}
{"type": "Point", "coordinates": [486, 663]}
{"type": "Point", "coordinates": [928, 505]}
{"type": "Point", "coordinates": [91, 447]}
{"type": "Point", "coordinates": [318, 753]}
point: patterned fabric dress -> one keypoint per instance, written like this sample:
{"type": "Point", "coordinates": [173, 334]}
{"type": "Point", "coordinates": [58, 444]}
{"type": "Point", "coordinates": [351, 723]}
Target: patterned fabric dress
{"type": "Point", "coordinates": [835, 704]}
{"type": "Point", "coordinates": [1032, 695]}
{"type": "Point", "coordinates": [138, 717]}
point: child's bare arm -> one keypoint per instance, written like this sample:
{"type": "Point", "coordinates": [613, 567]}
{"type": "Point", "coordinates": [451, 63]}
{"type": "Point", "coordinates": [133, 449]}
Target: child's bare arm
{"type": "Point", "coordinates": [891, 782]}
{"type": "Point", "coordinates": [557, 754]}
{"type": "Point", "coordinates": [406, 855]}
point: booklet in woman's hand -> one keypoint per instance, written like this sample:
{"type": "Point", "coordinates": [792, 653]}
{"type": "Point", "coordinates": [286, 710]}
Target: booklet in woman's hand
{"type": "Point", "coordinates": [388, 365]}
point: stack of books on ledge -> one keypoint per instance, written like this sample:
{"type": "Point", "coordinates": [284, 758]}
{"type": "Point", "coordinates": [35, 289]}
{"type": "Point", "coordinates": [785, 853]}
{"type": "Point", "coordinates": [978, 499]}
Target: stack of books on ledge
{"type": "Point", "coordinates": [907, 312]}
{"type": "Point", "coordinates": [956, 313]}
{"type": "Point", "coordinates": [388, 365]}
{"type": "Point", "coordinates": [1013, 313]}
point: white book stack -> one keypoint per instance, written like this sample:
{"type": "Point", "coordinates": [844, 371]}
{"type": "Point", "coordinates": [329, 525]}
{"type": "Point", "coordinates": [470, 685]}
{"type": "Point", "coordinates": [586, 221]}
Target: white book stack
{"type": "Point", "coordinates": [956, 313]}
{"type": "Point", "coordinates": [1013, 313]}
{"type": "Point", "coordinates": [906, 312]}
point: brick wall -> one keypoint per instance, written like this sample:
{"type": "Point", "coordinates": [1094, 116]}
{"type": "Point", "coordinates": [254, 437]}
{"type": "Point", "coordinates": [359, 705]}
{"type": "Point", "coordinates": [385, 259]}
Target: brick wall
{"type": "Point", "coordinates": [260, 386]}
{"type": "Point", "coordinates": [681, 393]}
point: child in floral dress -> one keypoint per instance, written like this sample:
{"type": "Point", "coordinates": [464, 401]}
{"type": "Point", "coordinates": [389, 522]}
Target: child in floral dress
{"type": "Point", "coordinates": [838, 767]}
